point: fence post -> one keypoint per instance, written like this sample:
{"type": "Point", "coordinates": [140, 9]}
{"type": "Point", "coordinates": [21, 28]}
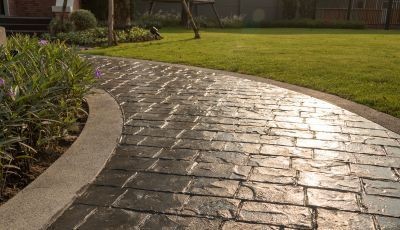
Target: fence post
{"type": "Point", "coordinates": [349, 9]}
{"type": "Point", "coordinates": [389, 15]}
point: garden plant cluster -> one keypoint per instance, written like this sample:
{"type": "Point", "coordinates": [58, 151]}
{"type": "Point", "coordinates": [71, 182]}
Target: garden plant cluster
{"type": "Point", "coordinates": [42, 89]}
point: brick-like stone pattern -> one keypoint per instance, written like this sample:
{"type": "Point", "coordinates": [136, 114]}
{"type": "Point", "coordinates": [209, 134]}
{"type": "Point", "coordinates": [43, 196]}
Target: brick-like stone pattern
{"type": "Point", "coordinates": [202, 150]}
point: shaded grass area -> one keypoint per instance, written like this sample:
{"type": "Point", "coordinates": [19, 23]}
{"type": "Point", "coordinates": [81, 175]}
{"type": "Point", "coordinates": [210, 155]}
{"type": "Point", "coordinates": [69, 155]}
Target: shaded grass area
{"type": "Point", "coordinates": [359, 65]}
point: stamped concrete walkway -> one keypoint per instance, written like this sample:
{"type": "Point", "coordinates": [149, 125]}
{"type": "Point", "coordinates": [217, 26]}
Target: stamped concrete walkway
{"type": "Point", "coordinates": [202, 150]}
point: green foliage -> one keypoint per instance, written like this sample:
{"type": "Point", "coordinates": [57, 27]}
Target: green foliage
{"type": "Point", "coordinates": [98, 36]}
{"type": "Point", "coordinates": [41, 94]}
{"type": "Point", "coordinates": [309, 23]}
{"type": "Point", "coordinates": [159, 20]}
{"type": "Point", "coordinates": [56, 26]}
{"type": "Point", "coordinates": [234, 21]}
{"type": "Point", "coordinates": [83, 19]}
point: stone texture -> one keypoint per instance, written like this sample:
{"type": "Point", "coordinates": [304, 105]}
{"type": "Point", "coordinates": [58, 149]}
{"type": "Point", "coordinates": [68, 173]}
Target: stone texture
{"type": "Point", "coordinates": [272, 193]}
{"type": "Point", "coordinates": [159, 182]}
{"type": "Point", "coordinates": [282, 176]}
{"type": "Point", "coordinates": [383, 188]}
{"type": "Point", "coordinates": [329, 219]}
{"type": "Point", "coordinates": [332, 199]}
{"type": "Point", "coordinates": [213, 187]}
{"type": "Point", "coordinates": [382, 205]}
{"type": "Point", "coordinates": [321, 180]}
{"type": "Point", "coordinates": [141, 200]}
{"type": "Point", "coordinates": [211, 206]}
{"type": "Point", "coordinates": [290, 216]}
{"type": "Point", "coordinates": [203, 150]}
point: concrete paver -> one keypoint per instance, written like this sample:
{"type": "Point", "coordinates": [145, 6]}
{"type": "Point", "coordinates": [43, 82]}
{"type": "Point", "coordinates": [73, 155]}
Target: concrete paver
{"type": "Point", "coordinates": [202, 150]}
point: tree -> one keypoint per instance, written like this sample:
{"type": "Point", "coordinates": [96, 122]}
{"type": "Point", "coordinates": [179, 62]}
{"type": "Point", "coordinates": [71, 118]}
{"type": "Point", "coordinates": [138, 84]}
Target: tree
{"type": "Point", "coordinates": [191, 20]}
{"type": "Point", "coordinates": [111, 37]}
{"type": "Point", "coordinates": [122, 13]}
{"type": "Point", "coordinates": [64, 9]}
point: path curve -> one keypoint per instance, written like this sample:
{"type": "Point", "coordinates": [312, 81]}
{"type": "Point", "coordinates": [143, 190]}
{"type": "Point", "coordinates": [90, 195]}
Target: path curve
{"type": "Point", "coordinates": [206, 150]}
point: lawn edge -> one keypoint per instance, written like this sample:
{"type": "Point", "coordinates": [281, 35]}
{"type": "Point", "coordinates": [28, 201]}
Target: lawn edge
{"type": "Point", "coordinates": [388, 121]}
{"type": "Point", "coordinates": [42, 201]}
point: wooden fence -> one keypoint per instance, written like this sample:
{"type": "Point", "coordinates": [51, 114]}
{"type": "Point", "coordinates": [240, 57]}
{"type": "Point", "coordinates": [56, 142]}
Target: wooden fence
{"type": "Point", "coordinates": [368, 16]}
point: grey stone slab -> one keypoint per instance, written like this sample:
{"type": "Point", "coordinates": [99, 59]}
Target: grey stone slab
{"type": "Point", "coordinates": [332, 199]}
{"type": "Point", "coordinates": [211, 206]}
{"type": "Point", "coordinates": [329, 167]}
{"type": "Point", "coordinates": [233, 225]}
{"type": "Point", "coordinates": [178, 154]}
{"type": "Point", "coordinates": [392, 151]}
{"type": "Point", "coordinates": [179, 222]}
{"type": "Point", "coordinates": [246, 148]}
{"type": "Point", "coordinates": [72, 217]}
{"type": "Point", "coordinates": [272, 193]}
{"type": "Point", "coordinates": [330, 219]}
{"type": "Point", "coordinates": [276, 214]}
{"type": "Point", "coordinates": [130, 163]}
{"type": "Point", "coordinates": [326, 155]}
{"type": "Point", "coordinates": [115, 178]}
{"type": "Point", "coordinates": [223, 157]}
{"type": "Point", "coordinates": [137, 151]}
{"type": "Point", "coordinates": [291, 133]}
{"type": "Point", "coordinates": [272, 175]}
{"type": "Point", "coordinates": [173, 166]}
{"type": "Point", "coordinates": [382, 188]}
{"type": "Point", "coordinates": [227, 171]}
{"type": "Point", "coordinates": [197, 135]}
{"type": "Point", "coordinates": [373, 172]}
{"type": "Point", "coordinates": [159, 182]}
{"type": "Point", "coordinates": [141, 200]}
{"type": "Point", "coordinates": [388, 223]}
{"type": "Point", "coordinates": [213, 187]}
{"type": "Point", "coordinates": [112, 218]}
{"type": "Point", "coordinates": [270, 161]}
{"type": "Point", "coordinates": [99, 195]}
{"type": "Point", "coordinates": [286, 151]}
{"type": "Point", "coordinates": [382, 205]}
{"type": "Point", "coordinates": [322, 180]}
{"type": "Point", "coordinates": [158, 142]}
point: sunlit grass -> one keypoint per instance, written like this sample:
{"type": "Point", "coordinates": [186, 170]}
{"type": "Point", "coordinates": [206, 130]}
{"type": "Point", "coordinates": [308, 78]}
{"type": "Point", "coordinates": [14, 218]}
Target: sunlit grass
{"type": "Point", "coordinates": [360, 65]}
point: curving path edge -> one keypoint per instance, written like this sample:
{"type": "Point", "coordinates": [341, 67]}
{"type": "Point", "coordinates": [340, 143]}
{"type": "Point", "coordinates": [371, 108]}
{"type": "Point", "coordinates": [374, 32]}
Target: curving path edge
{"type": "Point", "coordinates": [46, 197]}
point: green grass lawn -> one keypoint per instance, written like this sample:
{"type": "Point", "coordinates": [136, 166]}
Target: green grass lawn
{"type": "Point", "coordinates": [359, 65]}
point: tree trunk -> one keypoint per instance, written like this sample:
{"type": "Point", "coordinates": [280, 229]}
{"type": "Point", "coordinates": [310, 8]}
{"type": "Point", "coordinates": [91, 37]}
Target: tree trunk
{"type": "Point", "coordinates": [122, 13]}
{"type": "Point", "coordinates": [389, 15]}
{"type": "Point", "coordinates": [111, 40]}
{"type": "Point", "coordinates": [191, 20]}
{"type": "Point", "coordinates": [349, 10]}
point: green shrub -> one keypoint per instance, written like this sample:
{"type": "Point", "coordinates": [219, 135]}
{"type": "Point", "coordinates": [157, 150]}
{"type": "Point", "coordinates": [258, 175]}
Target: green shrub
{"type": "Point", "coordinates": [159, 20]}
{"type": "Point", "coordinates": [234, 21]}
{"type": "Point", "coordinates": [56, 26]}
{"type": "Point", "coordinates": [41, 94]}
{"type": "Point", "coordinates": [309, 23]}
{"type": "Point", "coordinates": [83, 19]}
{"type": "Point", "coordinates": [99, 36]}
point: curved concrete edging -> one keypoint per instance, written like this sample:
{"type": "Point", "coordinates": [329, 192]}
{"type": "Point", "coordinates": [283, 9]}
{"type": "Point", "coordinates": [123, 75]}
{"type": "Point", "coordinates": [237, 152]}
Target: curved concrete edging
{"type": "Point", "coordinates": [40, 202]}
{"type": "Point", "coordinates": [380, 118]}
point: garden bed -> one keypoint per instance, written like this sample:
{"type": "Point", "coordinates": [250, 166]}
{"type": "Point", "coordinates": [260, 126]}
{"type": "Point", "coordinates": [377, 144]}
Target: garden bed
{"type": "Point", "coordinates": [42, 107]}
{"type": "Point", "coordinates": [44, 160]}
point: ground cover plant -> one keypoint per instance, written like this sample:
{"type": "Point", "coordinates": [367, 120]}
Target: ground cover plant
{"type": "Point", "coordinates": [42, 86]}
{"type": "Point", "coordinates": [98, 36]}
{"type": "Point", "coordinates": [360, 65]}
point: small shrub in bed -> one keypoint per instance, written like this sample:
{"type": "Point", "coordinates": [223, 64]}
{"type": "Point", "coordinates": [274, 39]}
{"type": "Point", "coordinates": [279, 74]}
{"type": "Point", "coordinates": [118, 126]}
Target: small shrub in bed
{"type": "Point", "coordinates": [83, 19]}
{"type": "Point", "coordinates": [56, 26]}
{"type": "Point", "coordinates": [42, 86]}
{"type": "Point", "coordinates": [98, 36]}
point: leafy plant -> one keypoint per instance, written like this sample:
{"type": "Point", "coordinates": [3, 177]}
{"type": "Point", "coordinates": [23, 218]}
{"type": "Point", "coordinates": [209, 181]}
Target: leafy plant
{"type": "Point", "coordinates": [83, 19]}
{"type": "Point", "coordinates": [98, 36]}
{"type": "Point", "coordinates": [159, 20]}
{"type": "Point", "coordinates": [42, 86]}
{"type": "Point", "coordinates": [56, 26]}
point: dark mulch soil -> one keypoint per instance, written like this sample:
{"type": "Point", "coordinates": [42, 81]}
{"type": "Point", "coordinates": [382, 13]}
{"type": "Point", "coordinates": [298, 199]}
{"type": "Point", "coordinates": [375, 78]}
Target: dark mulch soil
{"type": "Point", "coordinates": [42, 161]}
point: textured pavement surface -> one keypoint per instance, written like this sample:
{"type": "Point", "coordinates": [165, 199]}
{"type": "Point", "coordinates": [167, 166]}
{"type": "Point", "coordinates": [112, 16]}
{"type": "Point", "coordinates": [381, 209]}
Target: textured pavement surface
{"type": "Point", "coordinates": [202, 150]}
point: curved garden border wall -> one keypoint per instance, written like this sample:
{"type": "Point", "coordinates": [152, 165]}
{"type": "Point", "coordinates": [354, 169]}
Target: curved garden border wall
{"type": "Point", "coordinates": [41, 201]}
